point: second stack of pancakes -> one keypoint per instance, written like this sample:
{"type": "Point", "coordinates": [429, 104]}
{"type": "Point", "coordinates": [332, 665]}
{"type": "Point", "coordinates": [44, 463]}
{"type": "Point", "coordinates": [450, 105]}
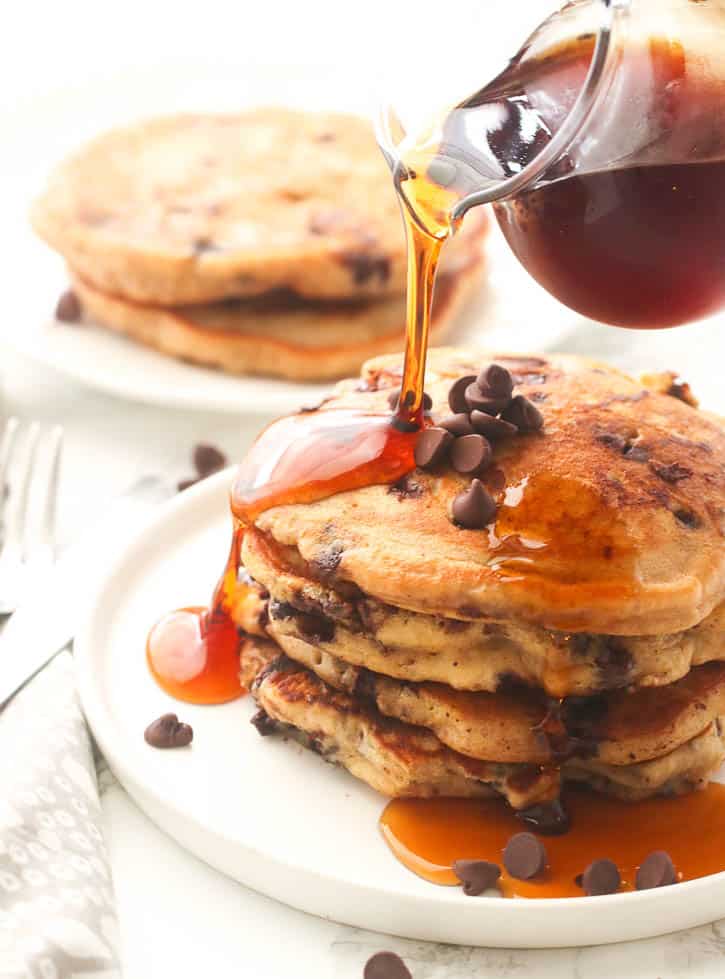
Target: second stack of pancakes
{"type": "Point", "coordinates": [577, 636]}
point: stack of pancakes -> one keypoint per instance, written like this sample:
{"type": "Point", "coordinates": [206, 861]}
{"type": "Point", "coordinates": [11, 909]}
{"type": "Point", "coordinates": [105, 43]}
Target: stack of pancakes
{"type": "Point", "coordinates": [268, 242]}
{"type": "Point", "coordinates": [578, 637]}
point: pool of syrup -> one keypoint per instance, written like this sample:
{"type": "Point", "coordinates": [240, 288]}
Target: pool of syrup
{"type": "Point", "coordinates": [428, 835]}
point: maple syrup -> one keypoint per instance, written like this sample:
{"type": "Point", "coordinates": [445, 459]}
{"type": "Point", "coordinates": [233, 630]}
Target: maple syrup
{"type": "Point", "coordinates": [428, 835]}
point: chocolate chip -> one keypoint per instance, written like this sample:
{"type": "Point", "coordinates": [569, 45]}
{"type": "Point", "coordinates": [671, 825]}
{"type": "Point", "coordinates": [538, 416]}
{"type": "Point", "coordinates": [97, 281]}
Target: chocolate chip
{"type": "Point", "coordinates": [656, 870]}
{"type": "Point", "coordinates": [637, 453]}
{"type": "Point", "coordinates": [683, 392]}
{"type": "Point", "coordinates": [459, 424]}
{"type": "Point", "coordinates": [470, 454]}
{"type": "Point", "coordinates": [687, 517]}
{"type": "Point", "coordinates": [600, 877]}
{"type": "Point", "coordinates": [492, 428]}
{"type": "Point", "coordinates": [457, 394]}
{"type": "Point", "coordinates": [431, 447]}
{"type": "Point", "coordinates": [394, 396]}
{"type": "Point", "coordinates": [495, 381]}
{"type": "Point", "coordinates": [386, 965]}
{"type": "Point", "coordinates": [364, 267]}
{"type": "Point", "coordinates": [524, 856]}
{"type": "Point", "coordinates": [200, 246]}
{"type": "Point", "coordinates": [476, 876]}
{"type": "Point", "coordinates": [68, 309]}
{"type": "Point", "coordinates": [671, 473]}
{"type": "Point", "coordinates": [547, 818]}
{"type": "Point", "coordinates": [208, 459]}
{"type": "Point", "coordinates": [478, 400]}
{"type": "Point", "coordinates": [522, 413]}
{"type": "Point", "coordinates": [184, 484]}
{"type": "Point", "coordinates": [167, 731]}
{"type": "Point", "coordinates": [263, 723]}
{"type": "Point", "coordinates": [474, 508]}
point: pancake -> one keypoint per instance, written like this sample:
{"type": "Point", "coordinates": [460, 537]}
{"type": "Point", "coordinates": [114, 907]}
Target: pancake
{"type": "Point", "coordinates": [610, 520]}
{"type": "Point", "coordinates": [400, 759]}
{"type": "Point", "coordinates": [194, 208]}
{"type": "Point", "coordinates": [281, 335]}
{"type": "Point", "coordinates": [464, 654]}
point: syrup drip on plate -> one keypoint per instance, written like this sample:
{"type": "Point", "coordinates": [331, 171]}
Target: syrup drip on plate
{"type": "Point", "coordinates": [428, 835]}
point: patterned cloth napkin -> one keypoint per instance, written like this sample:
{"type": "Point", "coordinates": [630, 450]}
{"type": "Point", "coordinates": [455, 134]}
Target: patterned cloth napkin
{"type": "Point", "coordinates": [57, 909]}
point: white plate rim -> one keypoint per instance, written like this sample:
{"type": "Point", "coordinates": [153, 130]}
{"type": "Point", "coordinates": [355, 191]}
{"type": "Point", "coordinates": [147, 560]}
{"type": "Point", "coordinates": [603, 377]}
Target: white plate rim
{"type": "Point", "coordinates": [644, 914]}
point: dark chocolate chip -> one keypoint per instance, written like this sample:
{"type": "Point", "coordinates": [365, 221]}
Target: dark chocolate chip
{"type": "Point", "coordinates": [671, 473]}
{"type": "Point", "coordinates": [478, 400]}
{"type": "Point", "coordinates": [394, 396]}
{"type": "Point", "coordinates": [601, 877]}
{"type": "Point", "coordinates": [167, 731]}
{"type": "Point", "coordinates": [431, 447]}
{"type": "Point", "coordinates": [524, 414]}
{"type": "Point", "coordinates": [636, 453]}
{"type": "Point", "coordinates": [656, 870]}
{"type": "Point", "coordinates": [578, 880]}
{"type": "Point", "coordinates": [547, 818]}
{"type": "Point", "coordinates": [406, 488]}
{"type": "Point", "coordinates": [495, 381]}
{"type": "Point", "coordinates": [524, 856]}
{"type": "Point", "coordinates": [263, 723]}
{"type": "Point", "coordinates": [474, 508]}
{"type": "Point", "coordinates": [459, 424]}
{"type": "Point", "coordinates": [208, 459]}
{"type": "Point", "coordinates": [613, 440]}
{"type": "Point", "coordinates": [364, 267]}
{"type": "Point", "coordinates": [687, 517]}
{"type": "Point", "coordinates": [184, 484]}
{"type": "Point", "coordinates": [492, 428]}
{"type": "Point", "coordinates": [470, 454]}
{"type": "Point", "coordinates": [200, 246]}
{"type": "Point", "coordinates": [457, 394]}
{"type": "Point", "coordinates": [386, 965]}
{"type": "Point", "coordinates": [68, 309]}
{"type": "Point", "coordinates": [476, 876]}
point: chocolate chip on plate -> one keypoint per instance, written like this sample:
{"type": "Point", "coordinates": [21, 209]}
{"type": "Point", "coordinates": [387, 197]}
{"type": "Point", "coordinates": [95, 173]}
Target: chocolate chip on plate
{"type": "Point", "coordinates": [386, 965]}
{"type": "Point", "coordinates": [656, 870]}
{"type": "Point", "coordinates": [524, 856]}
{"type": "Point", "coordinates": [524, 414]}
{"type": "Point", "coordinates": [601, 877]}
{"type": "Point", "coordinates": [457, 394]}
{"type": "Point", "coordinates": [457, 425]}
{"type": "Point", "coordinates": [208, 459]}
{"type": "Point", "coordinates": [492, 428]}
{"type": "Point", "coordinates": [478, 400]}
{"type": "Point", "coordinates": [68, 308]}
{"type": "Point", "coordinates": [474, 508]}
{"type": "Point", "coordinates": [476, 876]}
{"type": "Point", "coordinates": [168, 731]}
{"type": "Point", "coordinates": [495, 381]}
{"type": "Point", "coordinates": [470, 454]}
{"type": "Point", "coordinates": [431, 447]}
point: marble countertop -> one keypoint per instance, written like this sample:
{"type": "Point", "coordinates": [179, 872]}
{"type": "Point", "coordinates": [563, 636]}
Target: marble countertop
{"type": "Point", "coordinates": [180, 918]}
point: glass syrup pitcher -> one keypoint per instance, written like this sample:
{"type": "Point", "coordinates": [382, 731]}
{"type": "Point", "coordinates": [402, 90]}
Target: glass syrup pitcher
{"type": "Point", "coordinates": [602, 148]}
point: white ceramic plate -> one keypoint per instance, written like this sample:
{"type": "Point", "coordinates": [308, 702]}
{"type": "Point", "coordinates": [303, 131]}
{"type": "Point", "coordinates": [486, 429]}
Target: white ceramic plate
{"type": "Point", "coordinates": [276, 817]}
{"type": "Point", "coordinates": [512, 312]}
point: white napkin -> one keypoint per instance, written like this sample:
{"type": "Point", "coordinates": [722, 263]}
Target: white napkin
{"type": "Point", "coordinates": [57, 909]}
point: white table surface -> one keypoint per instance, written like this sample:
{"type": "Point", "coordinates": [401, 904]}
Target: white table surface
{"type": "Point", "coordinates": [180, 918]}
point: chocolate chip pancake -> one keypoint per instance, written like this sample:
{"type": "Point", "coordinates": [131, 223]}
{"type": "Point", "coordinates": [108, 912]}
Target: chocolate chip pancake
{"type": "Point", "coordinates": [200, 207]}
{"type": "Point", "coordinates": [280, 334]}
{"type": "Point", "coordinates": [400, 759]}
{"type": "Point", "coordinates": [610, 520]}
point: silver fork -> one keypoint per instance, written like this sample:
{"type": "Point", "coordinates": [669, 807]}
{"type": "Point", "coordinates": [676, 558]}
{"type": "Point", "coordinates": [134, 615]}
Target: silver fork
{"type": "Point", "coordinates": [29, 475]}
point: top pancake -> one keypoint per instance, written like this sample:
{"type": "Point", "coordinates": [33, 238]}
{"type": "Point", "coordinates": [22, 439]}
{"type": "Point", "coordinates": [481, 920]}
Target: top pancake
{"type": "Point", "coordinates": [194, 208]}
{"type": "Point", "coordinates": [611, 520]}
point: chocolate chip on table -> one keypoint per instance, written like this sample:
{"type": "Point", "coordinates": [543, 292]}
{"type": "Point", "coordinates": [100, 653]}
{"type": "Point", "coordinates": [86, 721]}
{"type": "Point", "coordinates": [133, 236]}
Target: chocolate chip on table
{"type": "Point", "coordinates": [470, 454]}
{"type": "Point", "coordinates": [478, 400]}
{"type": "Point", "coordinates": [492, 428]}
{"type": "Point", "coordinates": [474, 508]}
{"type": "Point", "coordinates": [208, 459]}
{"type": "Point", "coordinates": [386, 965]}
{"type": "Point", "coordinates": [476, 876]}
{"type": "Point", "coordinates": [431, 447]}
{"type": "Point", "coordinates": [600, 877]}
{"type": "Point", "coordinates": [524, 856]}
{"type": "Point", "coordinates": [68, 308]}
{"type": "Point", "coordinates": [495, 381]}
{"type": "Point", "coordinates": [457, 394]}
{"type": "Point", "coordinates": [524, 414]}
{"type": "Point", "coordinates": [656, 870]}
{"type": "Point", "coordinates": [457, 425]}
{"type": "Point", "coordinates": [168, 731]}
